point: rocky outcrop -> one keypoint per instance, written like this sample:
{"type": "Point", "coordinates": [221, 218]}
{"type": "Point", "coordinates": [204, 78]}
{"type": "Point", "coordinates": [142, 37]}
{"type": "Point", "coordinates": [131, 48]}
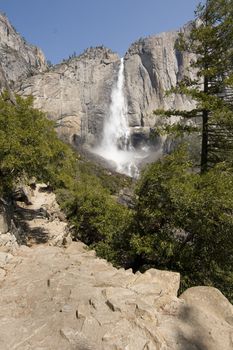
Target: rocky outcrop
{"type": "Point", "coordinates": [35, 218]}
{"type": "Point", "coordinates": [56, 294]}
{"type": "Point", "coordinates": [4, 222]}
{"type": "Point", "coordinates": [152, 67]}
{"type": "Point", "coordinates": [76, 93]}
{"type": "Point", "coordinates": [56, 298]}
{"type": "Point", "coordinates": [18, 59]}
{"type": "Point", "coordinates": [40, 220]}
{"type": "Point", "coordinates": [8, 232]}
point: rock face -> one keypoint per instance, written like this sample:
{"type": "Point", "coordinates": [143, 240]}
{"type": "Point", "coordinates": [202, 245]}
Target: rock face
{"type": "Point", "coordinates": [152, 67]}
{"type": "Point", "coordinates": [8, 231]}
{"type": "Point", "coordinates": [76, 93]}
{"type": "Point", "coordinates": [18, 59]}
{"type": "Point", "coordinates": [4, 222]}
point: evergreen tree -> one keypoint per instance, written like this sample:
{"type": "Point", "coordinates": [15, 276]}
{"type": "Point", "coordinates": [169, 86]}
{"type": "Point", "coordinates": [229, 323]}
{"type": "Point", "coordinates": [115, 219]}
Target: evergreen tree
{"type": "Point", "coordinates": [211, 40]}
{"type": "Point", "coordinates": [182, 222]}
{"type": "Point", "coordinates": [30, 147]}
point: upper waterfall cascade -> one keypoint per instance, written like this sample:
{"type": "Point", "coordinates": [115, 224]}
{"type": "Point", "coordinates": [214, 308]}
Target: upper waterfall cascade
{"type": "Point", "coordinates": [116, 143]}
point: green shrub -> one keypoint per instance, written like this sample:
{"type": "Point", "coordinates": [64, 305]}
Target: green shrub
{"type": "Point", "coordinates": [184, 222]}
{"type": "Point", "coordinates": [29, 146]}
{"type": "Point", "coordinates": [95, 215]}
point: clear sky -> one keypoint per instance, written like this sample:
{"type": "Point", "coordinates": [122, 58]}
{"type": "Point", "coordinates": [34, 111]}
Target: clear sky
{"type": "Point", "coordinates": [62, 27]}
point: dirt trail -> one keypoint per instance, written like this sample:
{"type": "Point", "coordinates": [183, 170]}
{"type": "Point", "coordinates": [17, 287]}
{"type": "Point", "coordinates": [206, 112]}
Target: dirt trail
{"type": "Point", "coordinates": [42, 220]}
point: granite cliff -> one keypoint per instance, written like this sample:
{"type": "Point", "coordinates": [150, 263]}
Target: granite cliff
{"type": "Point", "coordinates": [77, 92]}
{"type": "Point", "coordinates": [152, 67]}
{"type": "Point", "coordinates": [18, 59]}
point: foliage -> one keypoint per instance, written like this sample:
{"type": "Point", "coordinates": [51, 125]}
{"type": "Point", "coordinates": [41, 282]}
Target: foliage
{"type": "Point", "coordinates": [96, 217]}
{"type": "Point", "coordinates": [30, 147]}
{"type": "Point", "coordinates": [184, 222]}
{"type": "Point", "coordinates": [110, 180]}
{"type": "Point", "coordinates": [211, 41]}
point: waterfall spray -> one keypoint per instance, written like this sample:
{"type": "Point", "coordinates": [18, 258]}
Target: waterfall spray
{"type": "Point", "coordinates": [116, 133]}
{"type": "Point", "coordinates": [116, 146]}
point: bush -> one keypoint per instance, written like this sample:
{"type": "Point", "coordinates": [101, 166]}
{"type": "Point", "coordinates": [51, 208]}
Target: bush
{"type": "Point", "coordinates": [184, 222]}
{"type": "Point", "coordinates": [30, 147]}
{"type": "Point", "coordinates": [94, 214]}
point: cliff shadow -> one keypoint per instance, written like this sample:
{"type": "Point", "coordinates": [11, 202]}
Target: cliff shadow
{"type": "Point", "coordinates": [30, 235]}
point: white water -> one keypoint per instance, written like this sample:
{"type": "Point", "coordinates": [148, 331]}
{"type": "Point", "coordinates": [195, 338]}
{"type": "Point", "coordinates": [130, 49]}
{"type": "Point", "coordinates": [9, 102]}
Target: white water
{"type": "Point", "coordinates": [116, 146]}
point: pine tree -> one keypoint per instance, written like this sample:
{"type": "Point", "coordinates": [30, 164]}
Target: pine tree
{"type": "Point", "coordinates": [211, 41]}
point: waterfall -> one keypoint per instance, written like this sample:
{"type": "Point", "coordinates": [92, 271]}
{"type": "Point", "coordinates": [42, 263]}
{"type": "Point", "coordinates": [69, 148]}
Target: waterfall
{"type": "Point", "coordinates": [116, 144]}
{"type": "Point", "coordinates": [116, 132]}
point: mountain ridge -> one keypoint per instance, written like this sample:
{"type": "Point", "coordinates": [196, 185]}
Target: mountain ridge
{"type": "Point", "coordinates": [76, 93]}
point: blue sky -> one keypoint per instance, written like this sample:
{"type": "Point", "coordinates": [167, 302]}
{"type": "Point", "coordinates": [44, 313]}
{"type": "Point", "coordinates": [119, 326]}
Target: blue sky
{"type": "Point", "coordinates": [61, 27]}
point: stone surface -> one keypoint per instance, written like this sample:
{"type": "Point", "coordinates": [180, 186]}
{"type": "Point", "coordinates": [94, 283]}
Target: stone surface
{"type": "Point", "coordinates": [52, 297]}
{"type": "Point", "coordinates": [40, 220]}
{"type": "Point", "coordinates": [76, 93]}
{"type": "Point", "coordinates": [152, 67]}
{"type": "Point", "coordinates": [8, 242]}
{"type": "Point", "coordinates": [18, 59]}
{"type": "Point", "coordinates": [57, 298]}
{"type": "Point", "coordinates": [9, 234]}
{"type": "Point", "coordinates": [203, 320]}
{"type": "Point", "coordinates": [4, 222]}
{"type": "Point", "coordinates": [4, 259]}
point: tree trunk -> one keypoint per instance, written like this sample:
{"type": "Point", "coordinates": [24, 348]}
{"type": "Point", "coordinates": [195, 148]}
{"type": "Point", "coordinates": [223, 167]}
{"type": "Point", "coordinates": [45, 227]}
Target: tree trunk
{"type": "Point", "coordinates": [204, 146]}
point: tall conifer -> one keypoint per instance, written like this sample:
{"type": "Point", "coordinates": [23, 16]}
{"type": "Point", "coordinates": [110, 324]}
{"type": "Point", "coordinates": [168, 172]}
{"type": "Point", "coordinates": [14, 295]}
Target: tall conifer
{"type": "Point", "coordinates": [211, 42]}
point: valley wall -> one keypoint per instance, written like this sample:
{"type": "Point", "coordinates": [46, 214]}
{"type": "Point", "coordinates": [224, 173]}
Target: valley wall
{"type": "Point", "coordinates": [76, 94]}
